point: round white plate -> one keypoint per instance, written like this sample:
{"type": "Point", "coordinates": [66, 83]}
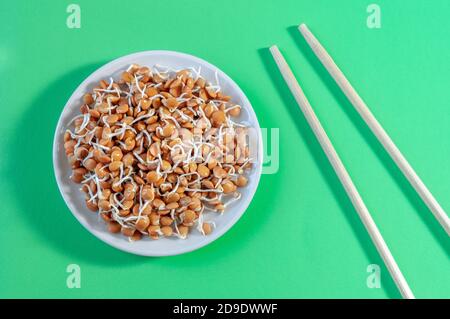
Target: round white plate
{"type": "Point", "coordinates": [164, 246]}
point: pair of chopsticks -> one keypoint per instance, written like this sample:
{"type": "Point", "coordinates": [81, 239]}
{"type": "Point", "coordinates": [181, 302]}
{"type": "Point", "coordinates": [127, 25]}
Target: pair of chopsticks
{"type": "Point", "coordinates": [339, 167]}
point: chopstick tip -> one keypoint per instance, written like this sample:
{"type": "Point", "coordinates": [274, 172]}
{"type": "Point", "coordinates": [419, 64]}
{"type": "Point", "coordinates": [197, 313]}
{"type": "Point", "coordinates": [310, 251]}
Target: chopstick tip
{"type": "Point", "coordinates": [302, 27]}
{"type": "Point", "coordinates": [273, 48]}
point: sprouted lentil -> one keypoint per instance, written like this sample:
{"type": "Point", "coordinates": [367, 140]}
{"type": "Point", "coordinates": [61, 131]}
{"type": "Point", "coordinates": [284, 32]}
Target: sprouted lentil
{"type": "Point", "coordinates": [156, 150]}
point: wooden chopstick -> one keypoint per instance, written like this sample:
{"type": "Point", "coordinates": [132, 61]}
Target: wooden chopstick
{"type": "Point", "coordinates": [376, 128]}
{"type": "Point", "coordinates": [342, 173]}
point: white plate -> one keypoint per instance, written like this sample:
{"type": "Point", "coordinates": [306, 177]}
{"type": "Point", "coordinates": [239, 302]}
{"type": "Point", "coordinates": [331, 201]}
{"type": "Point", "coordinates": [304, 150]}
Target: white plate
{"type": "Point", "coordinates": [75, 199]}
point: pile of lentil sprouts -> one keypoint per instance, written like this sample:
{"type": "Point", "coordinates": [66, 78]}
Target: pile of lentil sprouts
{"type": "Point", "coordinates": [156, 150]}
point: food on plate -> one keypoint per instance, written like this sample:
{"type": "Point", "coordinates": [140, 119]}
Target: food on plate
{"type": "Point", "coordinates": [157, 150]}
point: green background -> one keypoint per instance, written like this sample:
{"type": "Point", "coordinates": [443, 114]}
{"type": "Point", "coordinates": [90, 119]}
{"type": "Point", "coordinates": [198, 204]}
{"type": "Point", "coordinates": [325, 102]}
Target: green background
{"type": "Point", "coordinates": [300, 237]}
